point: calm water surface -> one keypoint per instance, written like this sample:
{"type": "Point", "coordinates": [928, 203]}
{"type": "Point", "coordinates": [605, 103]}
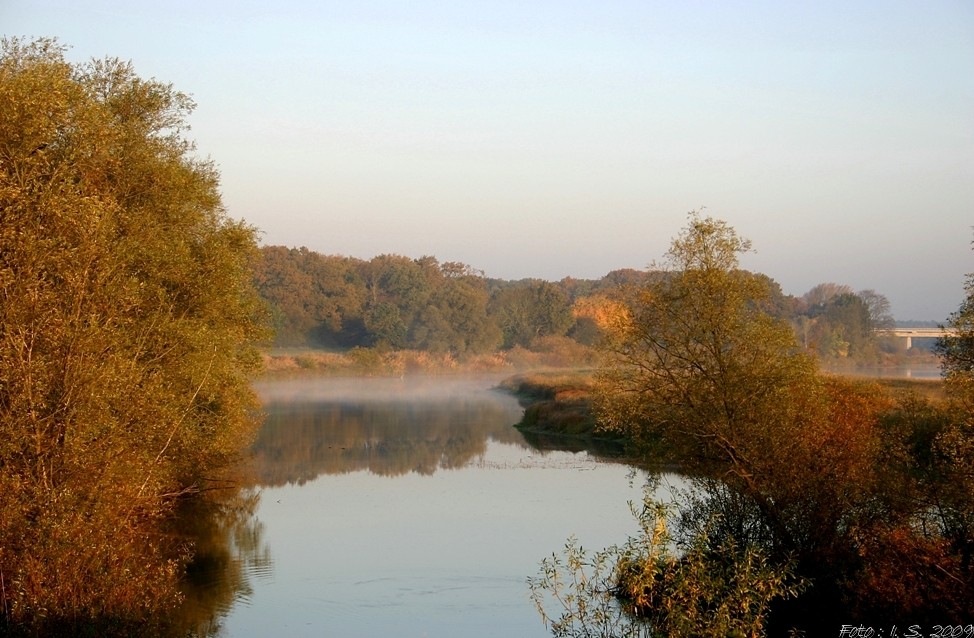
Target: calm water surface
{"type": "Point", "coordinates": [410, 507]}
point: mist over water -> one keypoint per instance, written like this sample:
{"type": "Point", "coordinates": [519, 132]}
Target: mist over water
{"type": "Point", "coordinates": [386, 426]}
{"type": "Point", "coordinates": [411, 388]}
{"type": "Point", "coordinates": [412, 507]}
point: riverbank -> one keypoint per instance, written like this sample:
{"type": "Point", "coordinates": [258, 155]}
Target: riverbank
{"type": "Point", "coordinates": [554, 385]}
{"type": "Point", "coordinates": [559, 403]}
{"type": "Point", "coordinates": [556, 402]}
{"type": "Point", "coordinates": [551, 353]}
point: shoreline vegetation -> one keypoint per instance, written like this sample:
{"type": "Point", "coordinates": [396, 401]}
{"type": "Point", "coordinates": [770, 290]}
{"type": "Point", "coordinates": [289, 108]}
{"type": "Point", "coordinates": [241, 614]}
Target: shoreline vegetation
{"type": "Point", "coordinates": [855, 493]}
{"type": "Point", "coordinates": [555, 387]}
{"type": "Point", "coordinates": [128, 339]}
{"type": "Point", "coordinates": [559, 402]}
{"type": "Point", "coordinates": [555, 353]}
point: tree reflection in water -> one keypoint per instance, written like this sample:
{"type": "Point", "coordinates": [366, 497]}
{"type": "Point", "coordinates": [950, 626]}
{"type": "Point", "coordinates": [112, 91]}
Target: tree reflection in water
{"type": "Point", "coordinates": [387, 427]}
{"type": "Point", "coordinates": [314, 427]}
{"type": "Point", "coordinates": [401, 427]}
{"type": "Point", "coordinates": [228, 550]}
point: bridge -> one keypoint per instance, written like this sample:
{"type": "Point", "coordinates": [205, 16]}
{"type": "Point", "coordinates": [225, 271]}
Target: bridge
{"type": "Point", "coordinates": [918, 333]}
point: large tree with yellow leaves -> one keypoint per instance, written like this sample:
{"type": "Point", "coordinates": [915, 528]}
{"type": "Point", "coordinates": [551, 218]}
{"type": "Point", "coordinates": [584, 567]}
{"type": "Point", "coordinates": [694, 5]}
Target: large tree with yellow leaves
{"type": "Point", "coordinates": [127, 319]}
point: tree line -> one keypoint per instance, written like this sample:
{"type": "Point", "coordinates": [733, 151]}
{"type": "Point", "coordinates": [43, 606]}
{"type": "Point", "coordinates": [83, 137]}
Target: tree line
{"type": "Point", "coordinates": [392, 301]}
{"type": "Point", "coordinates": [397, 302]}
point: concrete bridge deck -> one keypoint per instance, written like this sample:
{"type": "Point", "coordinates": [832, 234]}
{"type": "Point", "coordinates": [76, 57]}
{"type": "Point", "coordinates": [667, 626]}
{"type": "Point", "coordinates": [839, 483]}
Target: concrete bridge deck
{"type": "Point", "coordinates": [918, 333]}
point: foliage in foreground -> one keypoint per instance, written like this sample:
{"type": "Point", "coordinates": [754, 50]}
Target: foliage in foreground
{"type": "Point", "coordinates": [126, 327]}
{"type": "Point", "coordinates": [871, 497]}
{"type": "Point", "coordinates": [646, 589]}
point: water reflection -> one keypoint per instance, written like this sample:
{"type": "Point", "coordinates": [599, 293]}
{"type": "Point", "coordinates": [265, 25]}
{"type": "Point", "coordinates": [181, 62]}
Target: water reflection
{"type": "Point", "coordinates": [395, 507]}
{"type": "Point", "coordinates": [388, 427]}
{"type": "Point", "coordinates": [229, 550]}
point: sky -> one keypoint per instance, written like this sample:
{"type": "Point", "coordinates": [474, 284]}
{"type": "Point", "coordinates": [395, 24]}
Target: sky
{"type": "Point", "coordinates": [553, 139]}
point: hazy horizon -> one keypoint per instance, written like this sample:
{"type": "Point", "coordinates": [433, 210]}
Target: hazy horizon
{"type": "Point", "coordinates": [549, 140]}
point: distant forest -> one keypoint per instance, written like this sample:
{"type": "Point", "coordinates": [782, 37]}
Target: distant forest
{"type": "Point", "coordinates": [397, 302]}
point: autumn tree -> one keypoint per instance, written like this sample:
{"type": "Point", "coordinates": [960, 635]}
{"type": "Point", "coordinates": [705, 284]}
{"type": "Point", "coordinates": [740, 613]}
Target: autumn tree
{"type": "Point", "coordinates": [126, 328]}
{"type": "Point", "coordinates": [316, 299]}
{"type": "Point", "coordinates": [595, 317]}
{"type": "Point", "coordinates": [821, 294]}
{"type": "Point", "coordinates": [847, 316]}
{"type": "Point", "coordinates": [397, 290]}
{"type": "Point", "coordinates": [287, 287]}
{"type": "Point", "coordinates": [953, 445]}
{"type": "Point", "coordinates": [456, 319]}
{"type": "Point", "coordinates": [837, 323]}
{"type": "Point", "coordinates": [917, 550]}
{"type": "Point", "coordinates": [699, 363]}
{"type": "Point", "coordinates": [880, 314]}
{"type": "Point", "coordinates": [526, 312]}
{"type": "Point", "coordinates": [700, 367]}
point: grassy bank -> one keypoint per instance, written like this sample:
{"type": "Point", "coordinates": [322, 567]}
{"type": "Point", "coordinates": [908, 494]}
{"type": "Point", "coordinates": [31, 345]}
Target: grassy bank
{"type": "Point", "coordinates": [931, 389]}
{"type": "Point", "coordinates": [555, 391]}
{"type": "Point", "coordinates": [560, 402]}
{"type": "Point", "coordinates": [556, 402]}
{"type": "Point", "coordinates": [550, 352]}
{"type": "Point", "coordinates": [376, 363]}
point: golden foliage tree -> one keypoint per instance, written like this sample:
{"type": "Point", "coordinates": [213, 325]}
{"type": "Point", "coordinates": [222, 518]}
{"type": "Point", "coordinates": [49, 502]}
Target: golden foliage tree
{"type": "Point", "coordinates": [127, 319]}
{"type": "Point", "coordinates": [701, 367]}
{"type": "Point", "coordinates": [697, 363]}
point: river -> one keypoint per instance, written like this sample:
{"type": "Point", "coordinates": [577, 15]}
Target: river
{"type": "Point", "coordinates": [405, 507]}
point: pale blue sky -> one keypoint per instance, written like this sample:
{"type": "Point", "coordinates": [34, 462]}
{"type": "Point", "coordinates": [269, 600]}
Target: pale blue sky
{"type": "Point", "coordinates": [552, 139]}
